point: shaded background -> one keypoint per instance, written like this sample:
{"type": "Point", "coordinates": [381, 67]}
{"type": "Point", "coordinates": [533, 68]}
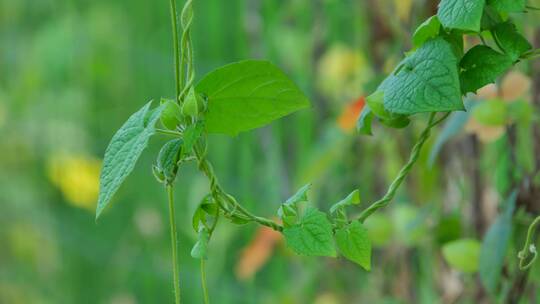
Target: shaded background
{"type": "Point", "coordinates": [72, 71]}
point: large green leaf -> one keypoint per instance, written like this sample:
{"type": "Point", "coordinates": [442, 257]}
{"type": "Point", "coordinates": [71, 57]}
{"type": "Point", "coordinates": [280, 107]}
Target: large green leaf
{"type": "Point", "coordinates": [461, 14]}
{"type": "Point", "coordinates": [124, 150]}
{"type": "Point", "coordinates": [462, 254]}
{"type": "Point", "coordinates": [247, 95]}
{"type": "Point", "coordinates": [426, 81]}
{"type": "Point", "coordinates": [482, 65]}
{"type": "Point", "coordinates": [495, 245]}
{"type": "Point", "coordinates": [354, 243]}
{"type": "Point", "coordinates": [508, 6]}
{"type": "Point", "coordinates": [312, 236]}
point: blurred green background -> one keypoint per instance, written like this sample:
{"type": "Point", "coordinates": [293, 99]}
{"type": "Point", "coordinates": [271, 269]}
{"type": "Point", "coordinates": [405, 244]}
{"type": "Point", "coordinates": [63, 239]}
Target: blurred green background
{"type": "Point", "coordinates": [72, 71]}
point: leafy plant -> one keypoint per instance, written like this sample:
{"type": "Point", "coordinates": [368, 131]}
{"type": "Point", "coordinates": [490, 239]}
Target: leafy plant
{"type": "Point", "coordinates": [249, 94]}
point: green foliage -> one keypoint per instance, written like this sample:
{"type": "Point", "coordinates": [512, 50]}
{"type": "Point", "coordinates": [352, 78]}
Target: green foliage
{"type": "Point", "coordinates": [510, 40]}
{"type": "Point", "coordinates": [508, 6]}
{"type": "Point", "coordinates": [376, 103]}
{"type": "Point", "coordinates": [191, 105]}
{"type": "Point", "coordinates": [495, 246]}
{"type": "Point", "coordinates": [363, 125]}
{"type": "Point", "coordinates": [426, 81]}
{"type": "Point", "coordinates": [124, 150]}
{"type": "Point", "coordinates": [462, 254]}
{"type": "Point", "coordinates": [352, 199]}
{"type": "Point", "coordinates": [171, 115]}
{"type": "Point", "coordinates": [353, 242]}
{"type": "Point", "coordinates": [312, 235]}
{"type": "Point", "coordinates": [167, 160]}
{"type": "Point", "coordinates": [461, 14]}
{"type": "Point", "coordinates": [427, 30]}
{"type": "Point", "coordinates": [247, 95]}
{"type": "Point", "coordinates": [481, 65]}
{"type": "Point", "coordinates": [288, 211]}
{"type": "Point", "coordinates": [192, 133]}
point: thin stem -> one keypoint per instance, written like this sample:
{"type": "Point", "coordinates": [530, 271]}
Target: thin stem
{"type": "Point", "coordinates": [528, 247]}
{"type": "Point", "coordinates": [203, 283]}
{"type": "Point", "coordinates": [168, 132]}
{"type": "Point", "coordinates": [531, 54]}
{"type": "Point", "coordinates": [532, 8]}
{"type": "Point", "coordinates": [221, 196]}
{"type": "Point", "coordinates": [176, 48]}
{"type": "Point", "coordinates": [174, 244]}
{"type": "Point", "coordinates": [415, 153]}
{"type": "Point", "coordinates": [186, 20]}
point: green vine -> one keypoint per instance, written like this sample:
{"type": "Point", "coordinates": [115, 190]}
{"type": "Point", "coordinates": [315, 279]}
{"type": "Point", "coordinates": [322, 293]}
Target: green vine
{"type": "Point", "coordinates": [525, 260]}
{"type": "Point", "coordinates": [431, 79]}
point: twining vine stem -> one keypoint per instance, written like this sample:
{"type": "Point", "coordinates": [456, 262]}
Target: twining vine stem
{"type": "Point", "coordinates": [415, 153]}
{"type": "Point", "coordinates": [528, 247]}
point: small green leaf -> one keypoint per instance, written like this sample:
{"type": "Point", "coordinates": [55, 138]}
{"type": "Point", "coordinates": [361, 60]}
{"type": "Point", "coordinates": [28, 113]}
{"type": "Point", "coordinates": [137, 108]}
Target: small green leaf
{"type": "Point", "coordinates": [491, 112]}
{"type": "Point", "coordinates": [508, 6]}
{"type": "Point", "coordinates": [495, 245]}
{"type": "Point", "coordinates": [353, 242]}
{"type": "Point", "coordinates": [206, 207]}
{"type": "Point", "coordinates": [288, 211]}
{"type": "Point", "coordinates": [427, 30]}
{"type": "Point", "coordinates": [192, 133]}
{"type": "Point", "coordinates": [462, 254]}
{"type": "Point", "coordinates": [482, 65]}
{"type": "Point", "coordinates": [168, 158]}
{"type": "Point", "coordinates": [171, 115]}
{"type": "Point", "coordinates": [300, 196]}
{"type": "Point", "coordinates": [124, 150]}
{"type": "Point", "coordinates": [426, 81]}
{"type": "Point", "coordinates": [364, 122]}
{"type": "Point", "coordinates": [352, 199]}
{"type": "Point", "coordinates": [511, 42]}
{"type": "Point", "coordinates": [461, 14]}
{"type": "Point", "coordinates": [190, 107]}
{"type": "Point", "coordinates": [200, 249]}
{"type": "Point", "coordinates": [248, 95]}
{"type": "Point", "coordinates": [312, 236]}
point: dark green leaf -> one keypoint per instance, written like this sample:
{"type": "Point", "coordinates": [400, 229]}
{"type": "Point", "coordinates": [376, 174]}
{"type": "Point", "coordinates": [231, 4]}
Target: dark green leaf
{"type": "Point", "coordinates": [312, 236]}
{"type": "Point", "coordinates": [353, 242]}
{"type": "Point", "coordinates": [482, 65]}
{"type": "Point", "coordinates": [495, 245]}
{"type": "Point", "coordinates": [247, 95]}
{"type": "Point", "coordinates": [123, 152]}
{"type": "Point", "coordinates": [511, 42]}
{"type": "Point", "coordinates": [461, 14]}
{"type": "Point", "coordinates": [508, 6]}
{"type": "Point", "coordinates": [426, 81]}
{"type": "Point", "coordinates": [168, 158]}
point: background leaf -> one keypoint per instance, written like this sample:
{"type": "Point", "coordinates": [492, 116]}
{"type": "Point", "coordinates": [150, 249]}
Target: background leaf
{"type": "Point", "coordinates": [495, 245]}
{"type": "Point", "coordinates": [247, 95]}
{"type": "Point", "coordinates": [462, 254]}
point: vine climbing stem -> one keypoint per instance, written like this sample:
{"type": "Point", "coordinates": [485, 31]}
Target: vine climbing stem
{"type": "Point", "coordinates": [415, 154]}
{"type": "Point", "coordinates": [176, 49]}
{"type": "Point", "coordinates": [528, 247]}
